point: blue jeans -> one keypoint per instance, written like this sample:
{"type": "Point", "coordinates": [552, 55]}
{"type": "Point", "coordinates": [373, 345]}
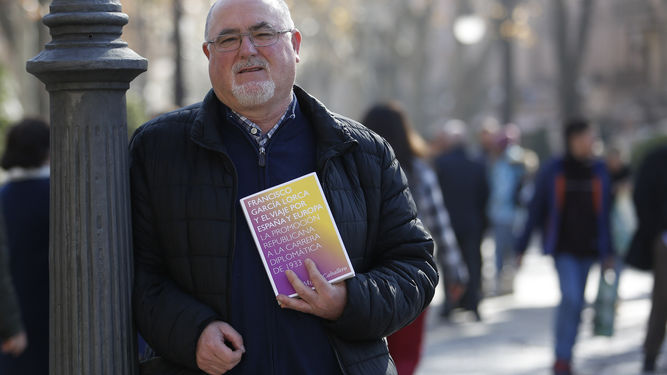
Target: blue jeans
{"type": "Point", "coordinates": [503, 234]}
{"type": "Point", "coordinates": [572, 275]}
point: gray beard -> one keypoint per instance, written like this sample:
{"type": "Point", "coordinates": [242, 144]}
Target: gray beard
{"type": "Point", "coordinates": [254, 93]}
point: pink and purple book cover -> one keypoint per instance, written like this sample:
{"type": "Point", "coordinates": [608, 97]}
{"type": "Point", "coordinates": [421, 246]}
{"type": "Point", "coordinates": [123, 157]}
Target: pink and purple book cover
{"type": "Point", "coordinates": [290, 223]}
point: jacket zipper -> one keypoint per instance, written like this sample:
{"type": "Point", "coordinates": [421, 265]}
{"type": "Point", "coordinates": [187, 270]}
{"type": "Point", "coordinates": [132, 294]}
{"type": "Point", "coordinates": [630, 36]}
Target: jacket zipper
{"type": "Point", "coordinates": [262, 157]}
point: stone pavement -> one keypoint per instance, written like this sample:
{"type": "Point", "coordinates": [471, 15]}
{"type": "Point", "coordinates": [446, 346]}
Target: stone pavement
{"type": "Point", "coordinates": [515, 335]}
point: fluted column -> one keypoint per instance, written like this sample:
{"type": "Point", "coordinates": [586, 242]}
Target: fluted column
{"type": "Point", "coordinates": [87, 68]}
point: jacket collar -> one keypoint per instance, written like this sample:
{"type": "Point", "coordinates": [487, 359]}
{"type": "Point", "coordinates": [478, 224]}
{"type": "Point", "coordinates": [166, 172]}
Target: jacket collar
{"type": "Point", "coordinates": [332, 135]}
{"type": "Point", "coordinates": [206, 130]}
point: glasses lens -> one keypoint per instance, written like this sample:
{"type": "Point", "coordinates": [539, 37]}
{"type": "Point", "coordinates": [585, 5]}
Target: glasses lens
{"type": "Point", "coordinates": [227, 42]}
{"type": "Point", "coordinates": [259, 38]}
{"type": "Point", "coordinates": [263, 38]}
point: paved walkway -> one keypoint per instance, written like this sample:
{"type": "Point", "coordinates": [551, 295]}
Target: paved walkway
{"type": "Point", "coordinates": [515, 335]}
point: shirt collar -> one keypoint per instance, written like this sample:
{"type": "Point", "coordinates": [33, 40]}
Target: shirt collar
{"type": "Point", "coordinates": [254, 130]}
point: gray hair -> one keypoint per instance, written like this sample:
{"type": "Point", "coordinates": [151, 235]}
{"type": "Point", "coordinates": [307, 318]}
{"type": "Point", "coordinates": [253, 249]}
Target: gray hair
{"type": "Point", "coordinates": [454, 130]}
{"type": "Point", "coordinates": [281, 6]}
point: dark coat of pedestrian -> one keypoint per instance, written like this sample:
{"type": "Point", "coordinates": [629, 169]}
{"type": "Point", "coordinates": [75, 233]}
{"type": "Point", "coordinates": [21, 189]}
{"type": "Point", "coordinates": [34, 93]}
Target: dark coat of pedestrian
{"type": "Point", "coordinates": [464, 184]}
{"type": "Point", "coordinates": [25, 203]}
{"type": "Point", "coordinates": [649, 245]}
{"type": "Point", "coordinates": [12, 335]}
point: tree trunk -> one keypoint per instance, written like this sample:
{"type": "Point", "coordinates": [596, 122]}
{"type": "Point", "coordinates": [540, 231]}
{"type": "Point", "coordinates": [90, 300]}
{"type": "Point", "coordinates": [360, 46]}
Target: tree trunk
{"type": "Point", "coordinates": [571, 54]}
{"type": "Point", "coordinates": [507, 48]}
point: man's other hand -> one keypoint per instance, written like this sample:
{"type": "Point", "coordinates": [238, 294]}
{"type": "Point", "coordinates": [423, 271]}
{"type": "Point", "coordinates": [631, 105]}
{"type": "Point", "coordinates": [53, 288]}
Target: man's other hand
{"type": "Point", "coordinates": [15, 345]}
{"type": "Point", "coordinates": [219, 348]}
{"type": "Point", "coordinates": [325, 300]}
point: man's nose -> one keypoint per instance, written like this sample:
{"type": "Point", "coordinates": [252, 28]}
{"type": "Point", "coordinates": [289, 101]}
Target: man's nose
{"type": "Point", "coordinates": [247, 46]}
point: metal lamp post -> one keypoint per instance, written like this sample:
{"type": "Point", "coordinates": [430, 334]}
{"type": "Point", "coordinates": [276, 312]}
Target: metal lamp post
{"type": "Point", "coordinates": [87, 69]}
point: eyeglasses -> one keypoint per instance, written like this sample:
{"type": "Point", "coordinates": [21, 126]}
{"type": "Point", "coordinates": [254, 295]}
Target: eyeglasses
{"type": "Point", "coordinates": [259, 38]}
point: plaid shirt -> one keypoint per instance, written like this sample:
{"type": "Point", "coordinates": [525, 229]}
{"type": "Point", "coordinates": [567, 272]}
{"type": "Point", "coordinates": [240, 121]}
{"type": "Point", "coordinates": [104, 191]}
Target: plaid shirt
{"type": "Point", "coordinates": [432, 212]}
{"type": "Point", "coordinates": [255, 131]}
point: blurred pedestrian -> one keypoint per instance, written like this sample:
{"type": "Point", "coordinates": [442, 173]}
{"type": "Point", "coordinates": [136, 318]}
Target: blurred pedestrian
{"type": "Point", "coordinates": [465, 189]}
{"type": "Point", "coordinates": [650, 243]}
{"type": "Point", "coordinates": [25, 203]}
{"type": "Point", "coordinates": [619, 170]}
{"type": "Point", "coordinates": [13, 339]}
{"type": "Point", "coordinates": [571, 205]}
{"type": "Point", "coordinates": [389, 121]}
{"type": "Point", "coordinates": [623, 217]}
{"type": "Point", "coordinates": [623, 225]}
{"type": "Point", "coordinates": [487, 138]}
{"type": "Point", "coordinates": [506, 174]}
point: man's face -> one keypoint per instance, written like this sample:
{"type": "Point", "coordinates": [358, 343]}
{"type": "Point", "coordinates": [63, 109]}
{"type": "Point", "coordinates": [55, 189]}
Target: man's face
{"type": "Point", "coordinates": [581, 145]}
{"type": "Point", "coordinates": [487, 139]}
{"type": "Point", "coordinates": [252, 76]}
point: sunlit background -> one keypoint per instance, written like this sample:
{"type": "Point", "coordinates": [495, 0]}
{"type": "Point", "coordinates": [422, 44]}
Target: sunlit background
{"type": "Point", "coordinates": [530, 62]}
{"type": "Point", "coordinates": [533, 63]}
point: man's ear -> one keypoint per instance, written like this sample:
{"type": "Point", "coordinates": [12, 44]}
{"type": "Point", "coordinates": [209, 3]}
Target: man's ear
{"type": "Point", "coordinates": [207, 51]}
{"type": "Point", "coordinates": [296, 43]}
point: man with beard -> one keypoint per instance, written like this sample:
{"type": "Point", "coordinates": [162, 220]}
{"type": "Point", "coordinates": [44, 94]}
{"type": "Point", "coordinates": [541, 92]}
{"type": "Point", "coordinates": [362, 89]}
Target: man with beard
{"type": "Point", "coordinates": [202, 299]}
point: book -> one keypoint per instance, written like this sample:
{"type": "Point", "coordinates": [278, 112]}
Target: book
{"type": "Point", "coordinates": [290, 223]}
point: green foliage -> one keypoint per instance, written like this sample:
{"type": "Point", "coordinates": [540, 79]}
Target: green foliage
{"type": "Point", "coordinates": [136, 112]}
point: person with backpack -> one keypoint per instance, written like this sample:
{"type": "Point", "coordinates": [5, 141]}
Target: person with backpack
{"type": "Point", "coordinates": [571, 206]}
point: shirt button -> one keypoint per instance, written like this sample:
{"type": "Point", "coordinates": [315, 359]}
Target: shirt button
{"type": "Point", "coordinates": [253, 131]}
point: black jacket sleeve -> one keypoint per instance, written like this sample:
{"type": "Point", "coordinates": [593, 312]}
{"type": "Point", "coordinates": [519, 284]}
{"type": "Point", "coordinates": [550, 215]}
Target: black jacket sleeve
{"type": "Point", "coordinates": [401, 282]}
{"type": "Point", "coordinates": [169, 319]}
{"type": "Point", "coordinates": [537, 209]}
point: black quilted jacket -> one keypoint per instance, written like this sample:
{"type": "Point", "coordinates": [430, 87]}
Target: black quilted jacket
{"type": "Point", "coordinates": [183, 201]}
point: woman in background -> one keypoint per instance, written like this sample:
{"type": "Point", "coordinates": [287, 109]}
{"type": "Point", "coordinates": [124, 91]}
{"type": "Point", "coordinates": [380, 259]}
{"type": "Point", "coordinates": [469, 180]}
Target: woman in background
{"type": "Point", "coordinates": [25, 206]}
{"type": "Point", "coordinates": [13, 339]}
{"type": "Point", "coordinates": [389, 121]}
